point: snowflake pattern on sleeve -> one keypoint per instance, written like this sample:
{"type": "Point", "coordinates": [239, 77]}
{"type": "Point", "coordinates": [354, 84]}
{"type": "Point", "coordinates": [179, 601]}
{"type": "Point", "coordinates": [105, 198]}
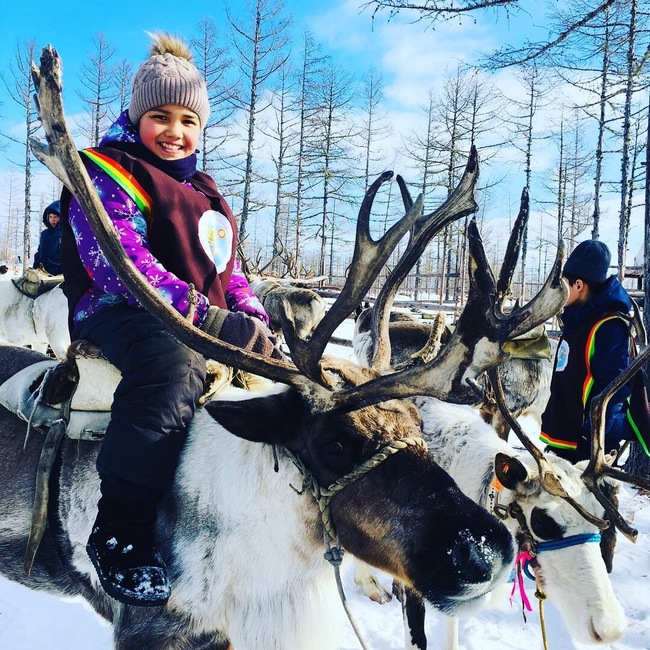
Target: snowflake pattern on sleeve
{"type": "Point", "coordinates": [130, 225]}
{"type": "Point", "coordinates": [240, 296]}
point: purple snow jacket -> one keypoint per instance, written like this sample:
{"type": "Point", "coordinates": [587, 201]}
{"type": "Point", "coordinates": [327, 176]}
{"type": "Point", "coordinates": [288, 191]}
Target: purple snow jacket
{"type": "Point", "coordinates": [188, 236]}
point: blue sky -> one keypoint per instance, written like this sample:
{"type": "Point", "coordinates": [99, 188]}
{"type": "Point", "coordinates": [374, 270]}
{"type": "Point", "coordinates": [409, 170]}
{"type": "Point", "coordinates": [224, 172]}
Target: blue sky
{"type": "Point", "coordinates": [411, 57]}
{"type": "Point", "coordinates": [344, 28]}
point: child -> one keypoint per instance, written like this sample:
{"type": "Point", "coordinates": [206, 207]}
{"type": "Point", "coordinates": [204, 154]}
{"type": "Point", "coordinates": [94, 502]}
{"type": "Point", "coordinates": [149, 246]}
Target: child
{"type": "Point", "coordinates": [48, 255]}
{"type": "Point", "coordinates": [593, 351]}
{"type": "Point", "coordinates": [177, 229]}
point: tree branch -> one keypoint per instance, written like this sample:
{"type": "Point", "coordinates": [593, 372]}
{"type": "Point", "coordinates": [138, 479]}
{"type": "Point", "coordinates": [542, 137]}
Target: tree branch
{"type": "Point", "coordinates": [439, 8]}
{"type": "Point", "coordinates": [505, 59]}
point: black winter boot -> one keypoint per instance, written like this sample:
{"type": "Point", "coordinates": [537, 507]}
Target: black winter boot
{"type": "Point", "coordinates": [122, 549]}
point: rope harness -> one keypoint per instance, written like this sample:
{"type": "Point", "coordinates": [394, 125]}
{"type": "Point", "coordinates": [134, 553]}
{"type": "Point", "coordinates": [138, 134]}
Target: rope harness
{"type": "Point", "coordinates": [529, 549]}
{"type": "Point", "coordinates": [323, 496]}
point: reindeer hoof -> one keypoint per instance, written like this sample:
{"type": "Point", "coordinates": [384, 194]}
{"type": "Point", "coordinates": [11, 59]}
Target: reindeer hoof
{"type": "Point", "coordinates": [382, 598]}
{"type": "Point", "coordinates": [371, 588]}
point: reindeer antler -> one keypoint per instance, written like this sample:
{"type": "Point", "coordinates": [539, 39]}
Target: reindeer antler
{"type": "Point", "coordinates": [597, 467]}
{"type": "Point", "coordinates": [548, 477]}
{"type": "Point", "coordinates": [368, 259]}
{"type": "Point", "coordinates": [459, 203]}
{"type": "Point", "coordinates": [480, 330]}
{"type": "Point", "coordinates": [476, 342]}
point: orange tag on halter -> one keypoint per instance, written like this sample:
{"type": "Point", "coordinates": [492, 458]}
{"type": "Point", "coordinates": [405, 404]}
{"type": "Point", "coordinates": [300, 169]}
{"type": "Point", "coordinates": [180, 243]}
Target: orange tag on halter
{"type": "Point", "coordinates": [496, 484]}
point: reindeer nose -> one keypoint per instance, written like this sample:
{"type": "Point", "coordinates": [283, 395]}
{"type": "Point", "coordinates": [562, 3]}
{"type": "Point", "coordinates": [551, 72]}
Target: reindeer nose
{"type": "Point", "coordinates": [469, 557]}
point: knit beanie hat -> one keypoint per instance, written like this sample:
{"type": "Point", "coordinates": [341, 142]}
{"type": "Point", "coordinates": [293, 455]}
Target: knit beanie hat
{"type": "Point", "coordinates": [168, 76]}
{"type": "Point", "coordinates": [589, 261]}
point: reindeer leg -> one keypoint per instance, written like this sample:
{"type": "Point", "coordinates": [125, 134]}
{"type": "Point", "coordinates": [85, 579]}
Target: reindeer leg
{"type": "Point", "coordinates": [451, 636]}
{"type": "Point", "coordinates": [413, 614]}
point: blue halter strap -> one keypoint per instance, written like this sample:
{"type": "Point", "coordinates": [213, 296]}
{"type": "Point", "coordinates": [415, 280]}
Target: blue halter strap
{"type": "Point", "coordinates": [565, 542]}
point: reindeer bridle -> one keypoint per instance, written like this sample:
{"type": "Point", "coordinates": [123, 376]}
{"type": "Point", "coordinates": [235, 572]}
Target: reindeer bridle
{"type": "Point", "coordinates": [323, 496]}
{"type": "Point", "coordinates": [514, 511]}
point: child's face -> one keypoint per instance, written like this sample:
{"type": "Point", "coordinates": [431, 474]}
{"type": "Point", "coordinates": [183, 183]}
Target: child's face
{"type": "Point", "coordinates": [170, 131]}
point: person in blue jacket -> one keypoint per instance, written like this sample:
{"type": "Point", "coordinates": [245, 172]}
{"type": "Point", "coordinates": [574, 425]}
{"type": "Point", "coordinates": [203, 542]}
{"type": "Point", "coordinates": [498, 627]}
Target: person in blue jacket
{"type": "Point", "coordinates": [593, 350]}
{"type": "Point", "coordinates": [48, 255]}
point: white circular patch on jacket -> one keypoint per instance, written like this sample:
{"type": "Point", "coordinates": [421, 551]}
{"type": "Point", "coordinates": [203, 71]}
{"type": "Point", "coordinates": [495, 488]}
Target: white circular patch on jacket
{"type": "Point", "coordinates": [216, 236]}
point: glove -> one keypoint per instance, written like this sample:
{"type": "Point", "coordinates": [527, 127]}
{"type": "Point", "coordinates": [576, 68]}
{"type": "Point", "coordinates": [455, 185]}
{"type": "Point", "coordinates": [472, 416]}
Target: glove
{"type": "Point", "coordinates": [241, 330]}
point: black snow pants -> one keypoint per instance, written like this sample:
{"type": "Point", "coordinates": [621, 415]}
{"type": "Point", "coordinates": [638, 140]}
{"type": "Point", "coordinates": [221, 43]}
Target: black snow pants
{"type": "Point", "coordinates": [162, 380]}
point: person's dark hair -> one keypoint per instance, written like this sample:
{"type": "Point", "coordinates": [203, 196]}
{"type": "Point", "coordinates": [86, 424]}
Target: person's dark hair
{"type": "Point", "coordinates": [594, 287]}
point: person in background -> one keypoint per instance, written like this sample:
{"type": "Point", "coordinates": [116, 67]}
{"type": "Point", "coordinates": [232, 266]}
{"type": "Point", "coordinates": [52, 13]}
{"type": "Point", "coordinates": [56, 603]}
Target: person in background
{"type": "Point", "coordinates": [593, 350]}
{"type": "Point", "coordinates": [48, 255]}
{"type": "Point", "coordinates": [177, 229]}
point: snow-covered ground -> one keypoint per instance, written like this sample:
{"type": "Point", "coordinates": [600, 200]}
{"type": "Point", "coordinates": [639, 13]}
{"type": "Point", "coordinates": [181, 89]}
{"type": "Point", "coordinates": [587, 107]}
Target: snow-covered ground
{"type": "Point", "coordinates": [30, 620]}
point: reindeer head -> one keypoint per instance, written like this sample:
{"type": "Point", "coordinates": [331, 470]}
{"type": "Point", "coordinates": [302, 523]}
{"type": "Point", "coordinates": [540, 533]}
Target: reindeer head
{"type": "Point", "coordinates": [567, 560]}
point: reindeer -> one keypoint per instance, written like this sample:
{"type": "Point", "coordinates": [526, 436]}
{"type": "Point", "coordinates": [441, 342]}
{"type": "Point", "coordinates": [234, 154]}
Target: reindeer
{"type": "Point", "coordinates": [37, 322]}
{"type": "Point", "coordinates": [527, 377]}
{"type": "Point", "coordinates": [243, 549]}
{"type": "Point", "coordinates": [527, 380]}
{"type": "Point", "coordinates": [547, 503]}
{"type": "Point", "coordinates": [51, 320]}
{"type": "Point", "coordinates": [528, 387]}
{"type": "Point", "coordinates": [307, 306]}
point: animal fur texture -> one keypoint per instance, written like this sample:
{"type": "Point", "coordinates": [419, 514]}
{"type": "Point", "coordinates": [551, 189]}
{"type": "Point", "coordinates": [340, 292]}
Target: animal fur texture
{"type": "Point", "coordinates": [37, 322]}
{"type": "Point", "coordinates": [307, 306]}
{"type": "Point", "coordinates": [244, 549]}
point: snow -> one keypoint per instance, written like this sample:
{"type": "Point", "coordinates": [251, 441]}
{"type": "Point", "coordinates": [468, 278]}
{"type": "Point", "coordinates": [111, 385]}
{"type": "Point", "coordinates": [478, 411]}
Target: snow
{"type": "Point", "coordinates": [30, 619]}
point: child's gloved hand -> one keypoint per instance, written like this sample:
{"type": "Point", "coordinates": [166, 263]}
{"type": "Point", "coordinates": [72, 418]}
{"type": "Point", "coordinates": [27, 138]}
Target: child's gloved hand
{"type": "Point", "coordinates": [241, 330]}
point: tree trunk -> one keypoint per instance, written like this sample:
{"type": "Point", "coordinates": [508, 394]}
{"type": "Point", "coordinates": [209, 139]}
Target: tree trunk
{"type": "Point", "coordinates": [638, 462]}
{"type": "Point", "coordinates": [602, 102]}
{"type": "Point", "coordinates": [625, 158]}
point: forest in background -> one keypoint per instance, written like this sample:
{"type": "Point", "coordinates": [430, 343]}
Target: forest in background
{"type": "Point", "coordinates": [294, 139]}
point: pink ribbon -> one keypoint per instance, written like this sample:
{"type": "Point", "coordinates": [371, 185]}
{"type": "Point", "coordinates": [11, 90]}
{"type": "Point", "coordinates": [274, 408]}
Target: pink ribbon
{"type": "Point", "coordinates": [520, 562]}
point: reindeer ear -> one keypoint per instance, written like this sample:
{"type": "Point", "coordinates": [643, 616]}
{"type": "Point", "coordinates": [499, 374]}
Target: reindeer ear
{"type": "Point", "coordinates": [509, 470]}
{"type": "Point", "coordinates": [271, 418]}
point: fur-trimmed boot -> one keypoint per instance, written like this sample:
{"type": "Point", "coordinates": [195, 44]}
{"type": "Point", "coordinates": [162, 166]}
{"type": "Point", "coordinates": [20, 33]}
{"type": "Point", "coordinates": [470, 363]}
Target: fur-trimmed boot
{"type": "Point", "coordinates": [122, 549]}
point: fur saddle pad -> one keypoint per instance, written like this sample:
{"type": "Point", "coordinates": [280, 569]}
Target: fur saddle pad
{"type": "Point", "coordinates": [35, 393]}
{"type": "Point", "coordinates": [22, 394]}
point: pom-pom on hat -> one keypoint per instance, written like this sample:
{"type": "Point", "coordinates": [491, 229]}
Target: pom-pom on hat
{"type": "Point", "coordinates": [168, 76]}
{"type": "Point", "coordinates": [589, 261]}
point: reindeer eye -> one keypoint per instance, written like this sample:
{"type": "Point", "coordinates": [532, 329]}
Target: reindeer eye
{"type": "Point", "coordinates": [334, 448]}
{"type": "Point", "coordinates": [544, 526]}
